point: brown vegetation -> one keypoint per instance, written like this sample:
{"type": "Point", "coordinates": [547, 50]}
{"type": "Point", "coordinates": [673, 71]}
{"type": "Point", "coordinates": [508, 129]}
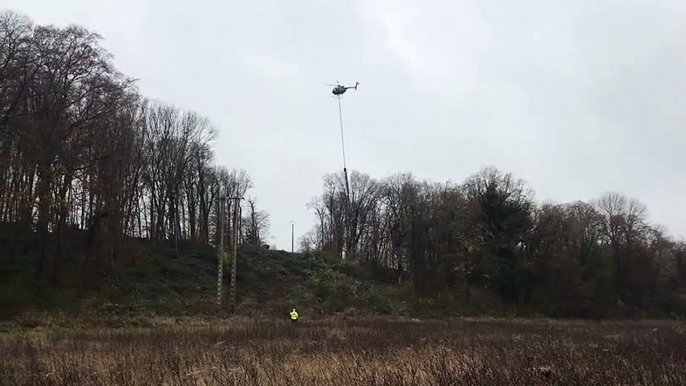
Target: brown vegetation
{"type": "Point", "coordinates": [351, 352]}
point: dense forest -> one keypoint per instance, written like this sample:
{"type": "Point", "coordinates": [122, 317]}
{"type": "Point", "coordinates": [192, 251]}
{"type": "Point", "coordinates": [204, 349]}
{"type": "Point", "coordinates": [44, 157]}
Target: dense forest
{"type": "Point", "coordinates": [84, 156]}
{"type": "Point", "coordinates": [574, 260]}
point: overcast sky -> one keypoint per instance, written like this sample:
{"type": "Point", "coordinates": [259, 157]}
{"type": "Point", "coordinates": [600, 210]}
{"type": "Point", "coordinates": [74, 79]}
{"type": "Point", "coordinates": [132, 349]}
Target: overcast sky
{"type": "Point", "coordinates": [576, 97]}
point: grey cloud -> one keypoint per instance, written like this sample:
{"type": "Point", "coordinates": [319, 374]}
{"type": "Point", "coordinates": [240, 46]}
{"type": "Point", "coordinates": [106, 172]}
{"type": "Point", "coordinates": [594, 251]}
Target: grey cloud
{"type": "Point", "coordinates": [576, 97]}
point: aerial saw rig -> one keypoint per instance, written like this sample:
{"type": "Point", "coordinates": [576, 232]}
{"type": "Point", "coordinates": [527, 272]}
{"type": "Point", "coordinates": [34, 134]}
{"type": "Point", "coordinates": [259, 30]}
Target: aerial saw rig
{"type": "Point", "coordinates": [338, 91]}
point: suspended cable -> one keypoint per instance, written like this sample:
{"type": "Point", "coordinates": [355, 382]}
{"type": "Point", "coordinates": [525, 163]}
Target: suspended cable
{"type": "Point", "coordinates": [345, 169]}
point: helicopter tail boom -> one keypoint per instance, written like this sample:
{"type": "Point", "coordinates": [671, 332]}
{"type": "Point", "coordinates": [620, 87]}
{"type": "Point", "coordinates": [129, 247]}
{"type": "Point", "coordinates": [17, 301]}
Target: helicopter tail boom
{"type": "Point", "coordinates": [353, 87]}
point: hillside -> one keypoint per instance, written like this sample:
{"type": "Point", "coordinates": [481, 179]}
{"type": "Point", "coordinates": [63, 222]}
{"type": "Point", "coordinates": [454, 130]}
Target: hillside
{"type": "Point", "coordinates": [170, 283]}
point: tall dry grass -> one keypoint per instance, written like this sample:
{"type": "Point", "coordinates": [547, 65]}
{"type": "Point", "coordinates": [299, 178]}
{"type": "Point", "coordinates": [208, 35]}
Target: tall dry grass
{"type": "Point", "coordinates": [351, 352]}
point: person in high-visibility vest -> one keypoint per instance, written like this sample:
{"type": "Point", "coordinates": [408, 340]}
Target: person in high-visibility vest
{"type": "Point", "coordinates": [294, 316]}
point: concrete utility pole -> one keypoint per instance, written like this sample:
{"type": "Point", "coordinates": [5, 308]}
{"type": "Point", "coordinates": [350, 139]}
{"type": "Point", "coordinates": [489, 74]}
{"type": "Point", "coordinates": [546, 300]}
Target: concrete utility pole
{"type": "Point", "coordinates": [220, 253]}
{"type": "Point", "coordinates": [236, 217]}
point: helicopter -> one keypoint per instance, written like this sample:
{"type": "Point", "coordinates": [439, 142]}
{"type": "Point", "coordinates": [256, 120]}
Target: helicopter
{"type": "Point", "coordinates": [338, 89]}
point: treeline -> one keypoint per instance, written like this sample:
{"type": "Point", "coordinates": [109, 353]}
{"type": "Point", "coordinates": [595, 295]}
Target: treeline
{"type": "Point", "coordinates": [579, 259]}
{"type": "Point", "coordinates": [83, 156]}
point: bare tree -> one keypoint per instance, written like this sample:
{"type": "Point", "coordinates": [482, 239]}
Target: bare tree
{"type": "Point", "coordinates": [82, 153]}
{"type": "Point", "coordinates": [255, 224]}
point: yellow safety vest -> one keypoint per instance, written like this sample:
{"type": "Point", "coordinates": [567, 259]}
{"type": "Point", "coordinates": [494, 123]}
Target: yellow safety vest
{"type": "Point", "coordinates": [294, 315]}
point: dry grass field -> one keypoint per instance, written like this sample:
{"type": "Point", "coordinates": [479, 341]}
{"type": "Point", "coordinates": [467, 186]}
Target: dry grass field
{"type": "Point", "coordinates": [364, 351]}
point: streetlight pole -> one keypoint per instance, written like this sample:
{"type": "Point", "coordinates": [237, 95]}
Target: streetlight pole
{"type": "Point", "coordinates": [292, 236]}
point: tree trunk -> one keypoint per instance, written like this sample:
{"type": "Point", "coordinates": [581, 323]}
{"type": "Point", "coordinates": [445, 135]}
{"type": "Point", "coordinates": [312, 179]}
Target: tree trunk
{"type": "Point", "coordinates": [44, 182]}
{"type": "Point", "coordinates": [59, 228]}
